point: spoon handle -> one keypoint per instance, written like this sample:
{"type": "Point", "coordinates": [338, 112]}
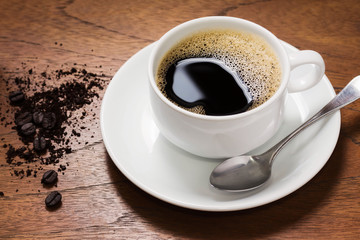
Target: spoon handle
{"type": "Point", "coordinates": [350, 93]}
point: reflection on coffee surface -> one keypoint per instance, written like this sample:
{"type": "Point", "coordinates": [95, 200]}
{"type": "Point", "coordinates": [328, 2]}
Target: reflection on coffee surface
{"type": "Point", "coordinates": [249, 73]}
{"type": "Point", "coordinates": [195, 82]}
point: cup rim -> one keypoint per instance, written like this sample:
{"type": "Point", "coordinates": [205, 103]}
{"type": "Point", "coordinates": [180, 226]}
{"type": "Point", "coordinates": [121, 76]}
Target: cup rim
{"type": "Point", "coordinates": [280, 52]}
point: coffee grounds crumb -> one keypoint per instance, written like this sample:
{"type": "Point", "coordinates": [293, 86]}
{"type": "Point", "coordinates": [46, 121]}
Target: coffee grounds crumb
{"type": "Point", "coordinates": [40, 92]}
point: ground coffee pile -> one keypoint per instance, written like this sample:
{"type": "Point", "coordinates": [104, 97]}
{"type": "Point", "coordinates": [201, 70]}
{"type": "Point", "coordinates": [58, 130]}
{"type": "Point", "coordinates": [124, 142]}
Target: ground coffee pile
{"type": "Point", "coordinates": [41, 112]}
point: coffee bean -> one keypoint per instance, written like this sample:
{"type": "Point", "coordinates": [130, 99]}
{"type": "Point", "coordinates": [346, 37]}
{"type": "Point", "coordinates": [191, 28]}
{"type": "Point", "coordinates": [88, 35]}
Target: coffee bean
{"type": "Point", "coordinates": [53, 199]}
{"type": "Point", "coordinates": [23, 118]}
{"type": "Point", "coordinates": [28, 129]}
{"type": "Point", "coordinates": [16, 97]}
{"type": "Point", "coordinates": [39, 143]}
{"type": "Point", "coordinates": [49, 177]}
{"type": "Point", "coordinates": [38, 117]}
{"type": "Point", "coordinates": [49, 120]}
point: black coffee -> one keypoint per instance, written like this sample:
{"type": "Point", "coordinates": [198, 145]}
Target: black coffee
{"type": "Point", "coordinates": [208, 83]}
{"type": "Point", "coordinates": [249, 73]}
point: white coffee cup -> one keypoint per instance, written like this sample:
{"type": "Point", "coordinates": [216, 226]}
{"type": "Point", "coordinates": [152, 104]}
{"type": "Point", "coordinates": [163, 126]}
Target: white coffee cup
{"type": "Point", "coordinates": [230, 135]}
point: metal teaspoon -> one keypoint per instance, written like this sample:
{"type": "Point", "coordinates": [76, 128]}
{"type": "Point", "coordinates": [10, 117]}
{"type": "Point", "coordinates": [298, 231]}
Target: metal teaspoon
{"type": "Point", "coordinates": [244, 173]}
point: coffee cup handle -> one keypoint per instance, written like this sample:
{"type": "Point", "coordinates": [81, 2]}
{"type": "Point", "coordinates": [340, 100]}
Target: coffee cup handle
{"type": "Point", "coordinates": [303, 80]}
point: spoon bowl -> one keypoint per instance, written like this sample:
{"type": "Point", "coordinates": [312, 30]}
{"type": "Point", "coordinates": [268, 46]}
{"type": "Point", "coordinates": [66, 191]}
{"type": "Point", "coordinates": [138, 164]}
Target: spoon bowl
{"type": "Point", "coordinates": [243, 173]}
{"type": "Point", "coordinates": [225, 176]}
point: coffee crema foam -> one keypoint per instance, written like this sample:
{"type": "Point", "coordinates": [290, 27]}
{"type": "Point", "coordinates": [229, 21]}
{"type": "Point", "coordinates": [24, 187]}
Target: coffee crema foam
{"type": "Point", "coordinates": [247, 54]}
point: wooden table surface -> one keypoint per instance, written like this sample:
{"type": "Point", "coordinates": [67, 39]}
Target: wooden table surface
{"type": "Point", "coordinates": [98, 200]}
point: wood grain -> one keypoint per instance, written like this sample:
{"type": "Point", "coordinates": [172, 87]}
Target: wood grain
{"type": "Point", "coordinates": [98, 201]}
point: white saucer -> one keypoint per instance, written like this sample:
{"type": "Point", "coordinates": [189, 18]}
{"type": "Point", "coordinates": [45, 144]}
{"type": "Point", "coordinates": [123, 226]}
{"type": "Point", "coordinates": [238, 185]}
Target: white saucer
{"type": "Point", "coordinates": [161, 169]}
